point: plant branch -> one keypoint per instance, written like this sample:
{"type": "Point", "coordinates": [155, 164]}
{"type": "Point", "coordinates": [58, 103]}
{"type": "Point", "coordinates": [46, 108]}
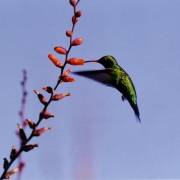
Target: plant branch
{"type": "Point", "coordinates": [25, 140]}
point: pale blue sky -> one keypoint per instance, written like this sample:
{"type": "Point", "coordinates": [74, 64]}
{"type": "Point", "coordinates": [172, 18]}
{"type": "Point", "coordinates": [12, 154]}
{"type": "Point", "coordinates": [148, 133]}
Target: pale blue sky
{"type": "Point", "coordinates": [94, 134]}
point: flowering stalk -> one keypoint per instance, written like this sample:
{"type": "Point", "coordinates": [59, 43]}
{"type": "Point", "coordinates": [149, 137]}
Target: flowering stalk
{"type": "Point", "coordinates": [44, 114]}
{"type": "Point", "coordinates": [21, 163]}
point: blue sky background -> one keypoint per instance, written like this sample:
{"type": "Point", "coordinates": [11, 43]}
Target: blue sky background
{"type": "Point", "coordinates": [94, 134]}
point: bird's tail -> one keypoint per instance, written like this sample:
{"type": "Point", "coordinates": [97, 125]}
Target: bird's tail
{"type": "Point", "coordinates": [136, 110]}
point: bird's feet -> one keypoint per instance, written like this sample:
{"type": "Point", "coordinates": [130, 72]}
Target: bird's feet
{"type": "Point", "coordinates": [123, 98]}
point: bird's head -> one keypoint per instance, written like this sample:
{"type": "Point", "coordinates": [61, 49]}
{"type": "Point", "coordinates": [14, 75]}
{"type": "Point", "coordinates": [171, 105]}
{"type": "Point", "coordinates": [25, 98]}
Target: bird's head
{"type": "Point", "coordinates": [106, 61]}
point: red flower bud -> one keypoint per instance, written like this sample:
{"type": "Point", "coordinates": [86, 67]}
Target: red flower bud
{"type": "Point", "coordinates": [46, 115]}
{"type": "Point", "coordinates": [38, 132]}
{"type": "Point", "coordinates": [60, 50]}
{"type": "Point", "coordinates": [13, 152]}
{"type": "Point", "coordinates": [72, 2]}
{"type": "Point", "coordinates": [68, 33]}
{"type": "Point", "coordinates": [78, 13]}
{"type": "Point", "coordinates": [20, 113]}
{"type": "Point", "coordinates": [75, 61]}
{"type": "Point", "coordinates": [57, 97]}
{"type": "Point", "coordinates": [6, 163]}
{"type": "Point", "coordinates": [67, 79]}
{"type": "Point", "coordinates": [48, 89]}
{"type": "Point", "coordinates": [67, 72]}
{"type": "Point", "coordinates": [22, 133]}
{"type": "Point", "coordinates": [10, 173]}
{"type": "Point", "coordinates": [74, 20]}
{"type": "Point", "coordinates": [25, 93]}
{"type": "Point", "coordinates": [77, 42]}
{"type": "Point", "coordinates": [31, 124]}
{"type": "Point", "coordinates": [24, 123]}
{"type": "Point", "coordinates": [55, 61]}
{"type": "Point", "coordinates": [21, 166]}
{"type": "Point", "coordinates": [29, 147]}
{"type": "Point", "coordinates": [42, 99]}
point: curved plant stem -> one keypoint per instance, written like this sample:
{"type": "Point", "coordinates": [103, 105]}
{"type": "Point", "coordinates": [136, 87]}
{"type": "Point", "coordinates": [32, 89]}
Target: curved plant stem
{"type": "Point", "coordinates": [45, 106]}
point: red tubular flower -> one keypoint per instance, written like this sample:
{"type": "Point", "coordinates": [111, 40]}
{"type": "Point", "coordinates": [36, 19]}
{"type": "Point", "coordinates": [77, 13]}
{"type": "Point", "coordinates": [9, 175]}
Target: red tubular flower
{"type": "Point", "coordinates": [31, 123]}
{"type": "Point", "coordinates": [38, 132]}
{"type": "Point", "coordinates": [57, 97]}
{"type": "Point", "coordinates": [6, 163]}
{"type": "Point", "coordinates": [11, 172]}
{"type": "Point", "coordinates": [48, 89]}
{"type": "Point", "coordinates": [75, 61]}
{"type": "Point", "coordinates": [74, 20]}
{"type": "Point", "coordinates": [29, 147]}
{"type": "Point", "coordinates": [67, 79]}
{"type": "Point", "coordinates": [78, 13]}
{"type": "Point", "coordinates": [42, 99]}
{"type": "Point", "coordinates": [60, 50]}
{"type": "Point", "coordinates": [55, 61]}
{"type": "Point", "coordinates": [13, 152]}
{"type": "Point", "coordinates": [67, 72]}
{"type": "Point", "coordinates": [24, 123]}
{"type": "Point", "coordinates": [72, 2]}
{"type": "Point", "coordinates": [22, 133]}
{"type": "Point", "coordinates": [77, 42]}
{"type": "Point", "coordinates": [68, 33]}
{"type": "Point", "coordinates": [21, 166]}
{"type": "Point", "coordinates": [46, 115]}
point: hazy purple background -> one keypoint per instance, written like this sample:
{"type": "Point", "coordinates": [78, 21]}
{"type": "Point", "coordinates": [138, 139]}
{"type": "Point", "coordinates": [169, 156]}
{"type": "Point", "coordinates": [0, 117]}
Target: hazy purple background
{"type": "Point", "coordinates": [94, 134]}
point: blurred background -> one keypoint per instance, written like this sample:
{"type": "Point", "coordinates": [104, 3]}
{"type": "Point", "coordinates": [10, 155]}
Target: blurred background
{"type": "Point", "coordinates": [94, 134]}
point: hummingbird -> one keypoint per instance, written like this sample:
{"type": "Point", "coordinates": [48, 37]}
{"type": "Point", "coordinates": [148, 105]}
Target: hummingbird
{"type": "Point", "coordinates": [114, 76]}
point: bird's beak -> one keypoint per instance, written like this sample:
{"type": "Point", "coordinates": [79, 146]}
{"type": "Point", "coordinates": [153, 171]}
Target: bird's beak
{"type": "Point", "coordinates": [91, 61]}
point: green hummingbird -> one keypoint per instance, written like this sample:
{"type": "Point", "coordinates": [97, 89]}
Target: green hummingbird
{"type": "Point", "coordinates": [114, 76]}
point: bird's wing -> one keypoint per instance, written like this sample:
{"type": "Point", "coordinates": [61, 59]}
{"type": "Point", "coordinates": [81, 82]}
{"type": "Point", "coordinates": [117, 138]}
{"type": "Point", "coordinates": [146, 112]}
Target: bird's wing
{"type": "Point", "coordinates": [103, 76]}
